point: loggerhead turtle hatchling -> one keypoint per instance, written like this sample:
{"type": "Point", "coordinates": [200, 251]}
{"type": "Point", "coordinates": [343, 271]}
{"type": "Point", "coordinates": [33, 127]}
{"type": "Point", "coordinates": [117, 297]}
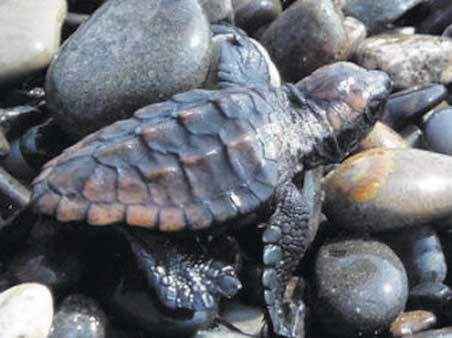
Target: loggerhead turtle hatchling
{"type": "Point", "coordinates": [207, 160]}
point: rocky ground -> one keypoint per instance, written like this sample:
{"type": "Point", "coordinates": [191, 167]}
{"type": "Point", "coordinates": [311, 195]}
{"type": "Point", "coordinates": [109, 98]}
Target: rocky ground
{"type": "Point", "coordinates": [378, 266]}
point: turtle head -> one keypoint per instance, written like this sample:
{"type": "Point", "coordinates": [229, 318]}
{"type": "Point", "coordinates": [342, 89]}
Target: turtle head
{"type": "Point", "coordinates": [349, 99]}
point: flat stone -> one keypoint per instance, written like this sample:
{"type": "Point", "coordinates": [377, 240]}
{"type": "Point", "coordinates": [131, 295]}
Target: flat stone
{"type": "Point", "coordinates": [408, 323]}
{"type": "Point", "coordinates": [385, 189]}
{"type": "Point", "coordinates": [79, 316]}
{"type": "Point", "coordinates": [409, 60]}
{"type": "Point", "coordinates": [127, 55]}
{"type": "Point", "coordinates": [307, 35]}
{"type": "Point", "coordinates": [376, 14]}
{"type": "Point", "coordinates": [361, 287]}
{"type": "Point", "coordinates": [26, 311]}
{"type": "Point", "coordinates": [30, 32]}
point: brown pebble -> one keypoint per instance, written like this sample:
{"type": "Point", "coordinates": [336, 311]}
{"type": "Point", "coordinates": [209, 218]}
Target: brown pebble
{"type": "Point", "coordinates": [408, 323]}
{"type": "Point", "coordinates": [384, 137]}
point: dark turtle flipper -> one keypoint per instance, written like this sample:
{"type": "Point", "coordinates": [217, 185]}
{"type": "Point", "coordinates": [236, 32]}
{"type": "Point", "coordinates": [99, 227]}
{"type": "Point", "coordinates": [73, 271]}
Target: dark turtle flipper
{"type": "Point", "coordinates": [186, 274]}
{"type": "Point", "coordinates": [242, 61]}
{"type": "Point", "coordinates": [284, 245]}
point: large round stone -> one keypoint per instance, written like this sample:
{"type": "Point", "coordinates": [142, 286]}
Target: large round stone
{"type": "Point", "coordinates": [127, 55]}
{"type": "Point", "coordinates": [383, 189]}
{"type": "Point", "coordinates": [361, 287]}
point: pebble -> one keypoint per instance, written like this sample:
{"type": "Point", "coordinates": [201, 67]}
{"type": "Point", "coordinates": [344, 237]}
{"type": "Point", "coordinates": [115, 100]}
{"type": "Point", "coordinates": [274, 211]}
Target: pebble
{"type": "Point", "coordinates": [382, 136]}
{"type": "Point", "coordinates": [250, 15]}
{"type": "Point", "coordinates": [218, 10]}
{"type": "Point", "coordinates": [30, 32]}
{"type": "Point", "coordinates": [409, 60]}
{"type": "Point", "coordinates": [26, 311]}
{"type": "Point", "coordinates": [79, 316]}
{"type": "Point", "coordinates": [386, 189]}
{"type": "Point", "coordinates": [437, 17]}
{"type": "Point", "coordinates": [361, 287]}
{"type": "Point", "coordinates": [376, 14]}
{"type": "Point", "coordinates": [439, 333]}
{"type": "Point", "coordinates": [246, 318]}
{"type": "Point", "coordinates": [356, 33]}
{"type": "Point", "coordinates": [410, 105]}
{"type": "Point", "coordinates": [433, 297]}
{"type": "Point", "coordinates": [437, 131]}
{"type": "Point", "coordinates": [307, 35]}
{"type": "Point", "coordinates": [412, 322]}
{"type": "Point", "coordinates": [420, 252]}
{"type": "Point", "coordinates": [113, 65]}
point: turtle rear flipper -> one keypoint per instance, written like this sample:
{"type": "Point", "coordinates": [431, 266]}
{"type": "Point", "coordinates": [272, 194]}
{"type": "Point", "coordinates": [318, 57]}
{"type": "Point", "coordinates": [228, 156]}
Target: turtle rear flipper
{"type": "Point", "coordinates": [243, 61]}
{"type": "Point", "coordinates": [191, 275]}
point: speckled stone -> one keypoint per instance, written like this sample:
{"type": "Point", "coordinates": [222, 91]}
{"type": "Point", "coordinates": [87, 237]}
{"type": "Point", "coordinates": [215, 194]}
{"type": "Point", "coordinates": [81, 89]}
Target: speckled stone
{"type": "Point", "coordinates": [409, 60]}
{"type": "Point", "coordinates": [376, 14]}
{"type": "Point", "coordinates": [307, 35]}
{"type": "Point", "coordinates": [26, 310]}
{"type": "Point", "coordinates": [127, 55]}
{"type": "Point", "coordinates": [420, 252]}
{"type": "Point", "coordinates": [382, 136]}
{"type": "Point", "coordinates": [438, 131]}
{"type": "Point", "coordinates": [384, 189]}
{"type": "Point", "coordinates": [361, 287]}
{"type": "Point", "coordinates": [30, 33]}
{"type": "Point", "coordinates": [79, 317]}
{"type": "Point", "coordinates": [408, 323]}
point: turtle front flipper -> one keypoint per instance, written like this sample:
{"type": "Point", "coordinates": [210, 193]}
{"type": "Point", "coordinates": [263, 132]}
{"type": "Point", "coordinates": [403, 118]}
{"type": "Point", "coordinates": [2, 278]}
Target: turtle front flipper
{"type": "Point", "coordinates": [285, 241]}
{"type": "Point", "coordinates": [242, 61]}
{"type": "Point", "coordinates": [186, 274]}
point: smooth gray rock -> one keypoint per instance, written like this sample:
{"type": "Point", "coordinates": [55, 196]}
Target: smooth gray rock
{"type": "Point", "coordinates": [26, 310]}
{"type": "Point", "coordinates": [250, 15]}
{"type": "Point", "coordinates": [361, 287]}
{"type": "Point", "coordinates": [387, 189]}
{"type": "Point", "coordinates": [79, 317]}
{"type": "Point", "coordinates": [438, 131]}
{"type": "Point", "coordinates": [30, 33]}
{"type": "Point", "coordinates": [306, 36]}
{"type": "Point", "coordinates": [421, 253]}
{"type": "Point", "coordinates": [376, 14]}
{"type": "Point", "coordinates": [409, 60]}
{"type": "Point", "coordinates": [127, 55]}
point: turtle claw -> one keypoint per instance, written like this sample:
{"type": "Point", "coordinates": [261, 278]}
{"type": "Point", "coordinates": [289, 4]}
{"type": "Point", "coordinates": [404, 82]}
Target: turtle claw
{"type": "Point", "coordinates": [287, 320]}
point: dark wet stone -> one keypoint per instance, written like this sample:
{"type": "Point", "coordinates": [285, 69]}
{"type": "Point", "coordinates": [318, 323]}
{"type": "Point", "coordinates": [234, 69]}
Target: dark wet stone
{"type": "Point", "coordinates": [127, 55]}
{"type": "Point", "coordinates": [439, 16]}
{"type": "Point", "coordinates": [376, 14]}
{"type": "Point", "coordinates": [438, 131]}
{"type": "Point", "coordinates": [385, 189]}
{"type": "Point", "coordinates": [420, 252]}
{"type": "Point", "coordinates": [307, 35]}
{"type": "Point", "coordinates": [433, 297]}
{"type": "Point", "coordinates": [15, 163]}
{"type": "Point", "coordinates": [409, 105]}
{"type": "Point", "coordinates": [409, 60]}
{"type": "Point", "coordinates": [408, 323]}
{"type": "Point", "coordinates": [49, 257]}
{"type": "Point", "coordinates": [218, 10]}
{"type": "Point", "coordinates": [361, 287]}
{"type": "Point", "coordinates": [250, 15]}
{"type": "Point", "coordinates": [382, 136]}
{"type": "Point", "coordinates": [79, 317]}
